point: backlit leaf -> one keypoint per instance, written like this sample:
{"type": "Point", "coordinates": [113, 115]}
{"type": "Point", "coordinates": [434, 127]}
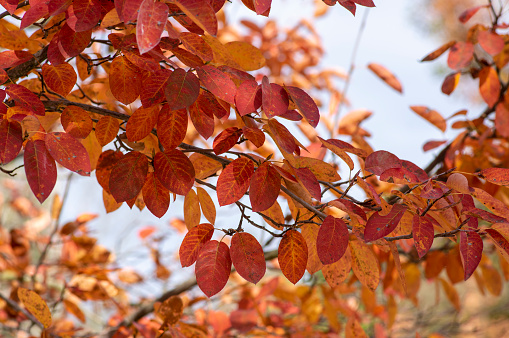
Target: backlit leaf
{"type": "Point", "coordinates": [274, 99]}
{"type": "Point", "coordinates": [125, 80]}
{"type": "Point", "coordinates": [332, 241]}
{"type": "Point", "coordinates": [40, 169]}
{"type": "Point", "coordinates": [171, 127]}
{"type": "Point", "coordinates": [337, 272]}
{"type": "Point", "coordinates": [204, 165]}
{"type": "Point", "coordinates": [25, 98]}
{"type": "Point", "coordinates": [207, 205]}
{"type": "Point", "coordinates": [152, 91]}
{"type": "Point", "coordinates": [202, 118]}
{"type": "Point", "coordinates": [364, 264]}
{"type": "Point", "coordinates": [141, 123]}
{"type": "Point", "coordinates": [380, 161]}
{"type": "Point", "coordinates": [386, 76]}
{"type": "Point", "coordinates": [282, 136]}
{"type": "Point", "coordinates": [293, 255]}
{"type": "Point", "coordinates": [431, 116]}
{"type": "Point", "coordinates": [174, 171]}
{"type": "Point", "coordinates": [192, 212]}
{"type": "Point", "coordinates": [248, 98]}
{"type": "Point", "coordinates": [471, 246]}
{"type": "Point", "coordinates": [105, 164]}
{"type": "Point", "coordinates": [152, 17]}
{"type": "Point", "coordinates": [201, 13]}
{"type": "Point", "coordinates": [436, 53]}
{"type": "Point", "coordinates": [460, 55]}
{"type": "Point", "coordinates": [127, 9]}
{"type": "Point", "coordinates": [106, 129]}
{"type": "Point", "coordinates": [489, 85]}
{"type": "Point", "coordinates": [264, 187]}
{"type": "Point", "coordinates": [234, 181]}
{"type": "Point", "coordinates": [256, 136]}
{"type": "Point", "coordinates": [493, 204]}
{"type": "Point", "coordinates": [450, 83]}
{"type": "Point", "coordinates": [76, 122]}
{"type": "Point", "coordinates": [467, 14]}
{"type": "Point", "coordinates": [226, 140]}
{"type": "Point", "coordinates": [194, 240]}
{"type": "Point", "coordinates": [310, 234]}
{"type": "Point", "coordinates": [432, 145]}
{"type": "Point", "coordinates": [128, 176]}
{"type": "Point", "coordinates": [36, 306]}
{"type": "Point", "coordinates": [491, 42]}
{"type": "Point", "coordinates": [246, 55]}
{"type": "Point", "coordinates": [195, 44]}
{"type": "Point", "coordinates": [83, 15]}
{"type": "Point", "coordinates": [182, 89]}
{"type": "Point", "coordinates": [500, 241]}
{"type": "Point", "coordinates": [60, 79]}
{"type": "Point", "coordinates": [424, 233]}
{"type": "Point", "coordinates": [323, 171]}
{"type": "Point", "coordinates": [155, 196]}
{"type": "Point", "coordinates": [379, 226]}
{"type": "Point", "coordinates": [218, 83]}
{"type": "Point", "coordinates": [69, 152]}
{"type": "Point", "coordinates": [11, 140]}
{"type": "Point", "coordinates": [305, 104]}
{"type": "Point", "coordinates": [213, 267]}
{"type": "Point", "coordinates": [458, 182]}
{"type": "Point", "coordinates": [247, 257]}
{"type": "Point", "coordinates": [499, 176]}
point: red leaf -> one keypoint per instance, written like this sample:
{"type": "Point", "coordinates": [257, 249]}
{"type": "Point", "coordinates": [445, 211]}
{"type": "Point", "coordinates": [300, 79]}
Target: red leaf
{"type": "Point", "coordinates": [56, 7]}
{"type": "Point", "coordinates": [282, 136]}
{"type": "Point", "coordinates": [195, 44]}
{"type": "Point", "coordinates": [226, 140]}
{"type": "Point", "coordinates": [432, 145]}
{"type": "Point", "coordinates": [489, 85]}
{"type": "Point", "coordinates": [12, 58]}
{"type": "Point", "coordinates": [234, 180]}
{"type": "Point", "coordinates": [128, 176]}
{"type": "Point", "coordinates": [379, 226]}
{"type": "Point", "coordinates": [76, 122]}
{"type": "Point", "coordinates": [207, 101]}
{"type": "Point", "coordinates": [247, 257]}
{"type": "Point", "coordinates": [127, 9]}
{"type": "Point", "coordinates": [293, 255]}
{"type": "Point", "coordinates": [264, 188]}
{"type": "Point", "coordinates": [386, 76]}
{"type": "Point", "coordinates": [11, 140]}
{"type": "Point", "coordinates": [466, 15]}
{"type": "Point", "coordinates": [491, 42]}
{"type": "Point", "coordinates": [219, 84]}
{"type": "Point", "coordinates": [201, 13]}
{"type": "Point", "coordinates": [484, 215]}
{"type": "Point", "coordinates": [141, 123]}
{"type": "Point", "coordinates": [40, 169]}
{"type": "Point", "coordinates": [262, 6]}
{"type": "Point", "coordinates": [274, 99]}
{"type": "Point", "coordinates": [152, 17]}
{"type": "Point", "coordinates": [310, 182]}
{"type": "Point", "coordinates": [460, 55]}
{"type": "Point", "coordinates": [450, 83]}
{"type": "Point", "coordinates": [502, 119]}
{"type": "Point", "coordinates": [25, 98]}
{"type": "Point", "coordinates": [348, 4]}
{"type": "Point", "coordinates": [107, 160]}
{"type": "Point", "coordinates": [499, 176]}
{"type": "Point", "coordinates": [501, 243]}
{"type": "Point", "coordinates": [38, 9]}
{"type": "Point", "coordinates": [69, 152]}
{"type": "Point", "coordinates": [380, 161]}
{"type": "Point", "coordinates": [145, 62]}
{"type": "Point", "coordinates": [213, 267]}
{"type": "Point", "coordinates": [436, 53]}
{"type": "Point", "coordinates": [72, 43]}
{"type": "Point", "coordinates": [182, 89]}
{"type": "Point", "coordinates": [171, 127]}
{"type": "Point", "coordinates": [187, 58]}
{"type": "Point", "coordinates": [106, 129]}
{"type": "Point", "coordinates": [332, 240]}
{"type": "Point", "coordinates": [203, 119]}
{"type": "Point", "coordinates": [175, 171]}
{"type": "Point", "coordinates": [248, 98]}
{"type": "Point", "coordinates": [83, 15]}
{"type": "Point", "coordinates": [424, 233]}
{"type": "Point", "coordinates": [305, 104]}
{"type": "Point", "coordinates": [256, 136]}
{"type": "Point", "coordinates": [194, 240]}
{"type": "Point", "coordinates": [471, 251]}
{"type": "Point", "coordinates": [125, 80]}
{"type": "Point", "coordinates": [152, 91]}
{"type": "Point", "coordinates": [367, 3]}
{"type": "Point", "coordinates": [432, 116]}
{"type": "Point", "coordinates": [155, 196]}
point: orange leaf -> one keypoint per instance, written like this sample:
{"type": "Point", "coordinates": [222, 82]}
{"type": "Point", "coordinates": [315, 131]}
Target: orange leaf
{"type": "Point", "coordinates": [460, 55]}
{"type": "Point", "coordinates": [458, 182]}
{"type": "Point", "coordinates": [225, 140]}
{"type": "Point", "coordinates": [431, 116]}
{"type": "Point", "coordinates": [499, 176]}
{"type": "Point", "coordinates": [213, 267]}
{"type": "Point", "coordinates": [451, 293]}
{"type": "Point", "coordinates": [201, 13]}
{"type": "Point", "coordinates": [152, 91]}
{"type": "Point", "coordinates": [171, 310]}
{"type": "Point", "coordinates": [354, 329]}
{"type": "Point", "coordinates": [195, 44]}
{"type": "Point", "coordinates": [204, 165]}
{"type": "Point", "coordinates": [171, 127]}
{"type": "Point", "coordinates": [128, 176]}
{"type": "Point", "coordinates": [293, 255]}
{"type": "Point", "coordinates": [69, 152]}
{"type": "Point", "coordinates": [489, 85]}
{"type": "Point", "coordinates": [174, 171]}
{"type": "Point", "coordinates": [194, 240]}
{"type": "Point", "coordinates": [192, 212]}
{"type": "Point", "coordinates": [207, 205]}
{"type": "Point", "coordinates": [247, 56]}
{"type": "Point", "coordinates": [247, 257]}
{"type": "Point", "coordinates": [125, 80]}
{"type": "Point", "coordinates": [386, 76]}
{"type": "Point", "coordinates": [234, 180]}
{"type": "Point", "coordinates": [310, 233]}
{"type": "Point", "coordinates": [336, 273]}
{"type": "Point", "coordinates": [76, 122]}
{"type": "Point", "coordinates": [364, 264]}
{"type": "Point", "coordinates": [155, 196]}
{"type": "Point", "coordinates": [467, 14]}
{"type": "Point", "coordinates": [436, 53]}
{"type": "Point", "coordinates": [141, 123]}
{"type": "Point", "coordinates": [106, 129]}
{"type": "Point", "coordinates": [36, 306]}
{"type": "Point", "coordinates": [60, 79]}
{"type": "Point", "coordinates": [491, 42]}
{"type": "Point", "coordinates": [450, 83]}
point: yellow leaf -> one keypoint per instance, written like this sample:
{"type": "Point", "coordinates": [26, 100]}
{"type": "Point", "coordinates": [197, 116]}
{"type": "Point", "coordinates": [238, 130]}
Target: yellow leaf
{"type": "Point", "coordinates": [207, 205]}
{"type": "Point", "coordinates": [246, 55]}
{"type": "Point", "coordinates": [192, 213]}
{"type": "Point", "coordinates": [364, 264]}
{"type": "Point", "coordinates": [36, 306]}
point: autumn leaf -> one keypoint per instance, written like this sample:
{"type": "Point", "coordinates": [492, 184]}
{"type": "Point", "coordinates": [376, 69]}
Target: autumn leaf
{"type": "Point", "coordinates": [386, 76]}
{"type": "Point", "coordinates": [379, 226]}
{"type": "Point", "coordinates": [152, 16]}
{"type": "Point", "coordinates": [293, 255]}
{"type": "Point", "coordinates": [332, 240]}
{"type": "Point", "coordinates": [194, 240]}
{"type": "Point", "coordinates": [174, 171]}
{"type": "Point", "coordinates": [460, 55]}
{"type": "Point", "coordinates": [36, 306]}
{"type": "Point", "coordinates": [471, 247]}
{"type": "Point", "coordinates": [424, 233]}
{"type": "Point", "coordinates": [182, 89]}
{"type": "Point", "coordinates": [155, 195]}
{"type": "Point", "coordinates": [489, 85]}
{"type": "Point", "coordinates": [213, 267]}
{"type": "Point", "coordinates": [60, 79]}
{"type": "Point", "coordinates": [69, 152]}
{"type": "Point", "coordinates": [128, 176]}
{"type": "Point", "coordinates": [234, 181]}
{"type": "Point", "coordinates": [264, 187]}
{"type": "Point", "coordinates": [364, 264]}
{"type": "Point", "coordinates": [247, 257]}
{"type": "Point", "coordinates": [40, 169]}
{"type": "Point", "coordinates": [431, 116]}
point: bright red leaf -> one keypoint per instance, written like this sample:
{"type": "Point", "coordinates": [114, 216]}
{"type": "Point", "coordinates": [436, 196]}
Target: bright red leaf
{"type": "Point", "coordinates": [155, 196]}
{"type": "Point", "coordinates": [264, 187]}
{"type": "Point", "coordinates": [40, 169]}
{"type": "Point", "coordinates": [175, 171]}
{"type": "Point", "coordinates": [423, 233]}
{"type": "Point", "coordinates": [471, 246]}
{"type": "Point", "coordinates": [332, 240]}
{"type": "Point", "coordinates": [11, 140]}
{"type": "Point", "coordinates": [194, 240]}
{"type": "Point", "coordinates": [234, 181]}
{"type": "Point", "coordinates": [25, 98]}
{"type": "Point", "coordinates": [69, 152]}
{"type": "Point", "coordinates": [152, 17]}
{"type": "Point", "coordinates": [182, 89]}
{"type": "Point", "coordinates": [128, 176]}
{"type": "Point", "coordinates": [379, 226]}
{"type": "Point", "coordinates": [247, 257]}
{"type": "Point", "coordinates": [213, 267]}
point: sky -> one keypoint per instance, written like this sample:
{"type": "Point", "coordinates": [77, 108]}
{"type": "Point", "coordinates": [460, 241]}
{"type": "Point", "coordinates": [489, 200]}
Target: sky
{"type": "Point", "coordinates": [389, 39]}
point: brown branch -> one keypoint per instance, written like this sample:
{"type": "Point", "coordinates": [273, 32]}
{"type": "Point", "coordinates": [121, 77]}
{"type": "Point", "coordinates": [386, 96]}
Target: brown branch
{"type": "Point", "coordinates": [18, 308]}
{"type": "Point", "coordinates": [23, 69]}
